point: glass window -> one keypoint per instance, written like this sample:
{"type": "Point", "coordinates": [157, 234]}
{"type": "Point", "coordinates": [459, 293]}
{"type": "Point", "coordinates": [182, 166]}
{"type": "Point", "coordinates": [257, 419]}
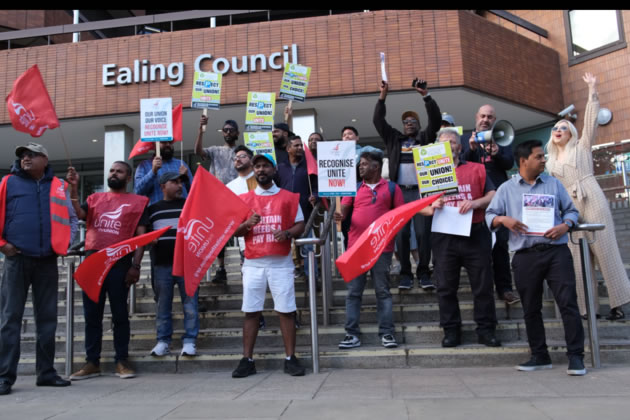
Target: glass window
{"type": "Point", "coordinates": [591, 33]}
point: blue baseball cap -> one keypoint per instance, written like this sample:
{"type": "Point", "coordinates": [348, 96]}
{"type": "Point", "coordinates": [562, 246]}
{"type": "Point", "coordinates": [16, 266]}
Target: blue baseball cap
{"type": "Point", "coordinates": [267, 156]}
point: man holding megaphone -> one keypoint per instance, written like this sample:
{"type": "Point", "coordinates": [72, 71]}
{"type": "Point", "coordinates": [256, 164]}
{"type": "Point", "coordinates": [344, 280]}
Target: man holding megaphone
{"type": "Point", "coordinates": [490, 144]}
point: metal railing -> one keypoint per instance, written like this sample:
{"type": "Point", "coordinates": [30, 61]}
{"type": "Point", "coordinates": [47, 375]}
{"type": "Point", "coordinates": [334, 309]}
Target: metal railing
{"type": "Point", "coordinates": [74, 251]}
{"type": "Point", "coordinates": [587, 278]}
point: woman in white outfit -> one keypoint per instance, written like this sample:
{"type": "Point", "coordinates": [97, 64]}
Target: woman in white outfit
{"type": "Point", "coordinates": [571, 161]}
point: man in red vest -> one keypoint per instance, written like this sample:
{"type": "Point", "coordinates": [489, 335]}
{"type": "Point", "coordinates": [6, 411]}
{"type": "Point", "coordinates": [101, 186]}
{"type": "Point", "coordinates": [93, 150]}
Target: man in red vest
{"type": "Point", "coordinates": [473, 252]}
{"type": "Point", "coordinates": [36, 224]}
{"type": "Point", "coordinates": [276, 219]}
{"type": "Point", "coordinates": [111, 217]}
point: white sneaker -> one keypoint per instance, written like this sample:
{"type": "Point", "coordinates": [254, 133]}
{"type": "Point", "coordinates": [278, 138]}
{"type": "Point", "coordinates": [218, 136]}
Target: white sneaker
{"type": "Point", "coordinates": [350, 341]}
{"type": "Point", "coordinates": [388, 341]}
{"type": "Point", "coordinates": [189, 349]}
{"type": "Point", "coordinates": [160, 349]}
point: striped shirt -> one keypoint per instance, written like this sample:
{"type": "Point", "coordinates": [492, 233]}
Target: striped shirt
{"type": "Point", "coordinates": [161, 214]}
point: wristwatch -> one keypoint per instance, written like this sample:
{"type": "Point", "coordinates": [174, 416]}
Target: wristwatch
{"type": "Point", "coordinates": [568, 223]}
{"type": "Point", "coordinates": [288, 234]}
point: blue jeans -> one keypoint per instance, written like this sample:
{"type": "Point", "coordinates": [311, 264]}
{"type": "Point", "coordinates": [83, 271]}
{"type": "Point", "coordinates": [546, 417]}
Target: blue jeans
{"type": "Point", "coordinates": [19, 273]}
{"type": "Point", "coordinates": [380, 277]}
{"type": "Point", "coordinates": [164, 285]}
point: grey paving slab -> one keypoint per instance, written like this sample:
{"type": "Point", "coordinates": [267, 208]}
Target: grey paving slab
{"type": "Point", "coordinates": [586, 408]}
{"type": "Point", "coordinates": [472, 408]}
{"type": "Point", "coordinates": [350, 408]}
{"type": "Point", "coordinates": [229, 410]}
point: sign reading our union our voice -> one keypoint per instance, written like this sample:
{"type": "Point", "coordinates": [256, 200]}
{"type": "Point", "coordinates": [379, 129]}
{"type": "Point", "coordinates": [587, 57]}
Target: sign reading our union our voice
{"type": "Point", "coordinates": [434, 168]}
{"type": "Point", "coordinates": [260, 143]}
{"type": "Point", "coordinates": [260, 109]}
{"type": "Point", "coordinates": [156, 119]}
{"type": "Point", "coordinates": [336, 172]}
{"type": "Point", "coordinates": [206, 90]}
{"type": "Point", "coordinates": [295, 82]}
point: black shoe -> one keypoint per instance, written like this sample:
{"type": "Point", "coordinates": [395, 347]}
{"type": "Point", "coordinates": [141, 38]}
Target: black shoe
{"type": "Point", "coordinates": [5, 388]}
{"type": "Point", "coordinates": [293, 367]}
{"type": "Point", "coordinates": [597, 316]}
{"type": "Point", "coordinates": [220, 276]}
{"type": "Point", "coordinates": [424, 280]}
{"type": "Point", "coordinates": [405, 281]}
{"type": "Point", "coordinates": [535, 363]}
{"type": "Point", "coordinates": [452, 338]}
{"type": "Point", "coordinates": [615, 314]}
{"type": "Point", "coordinates": [489, 339]}
{"type": "Point", "coordinates": [244, 369]}
{"type": "Point", "coordinates": [576, 366]}
{"type": "Point", "coordinates": [54, 381]}
{"type": "Point", "coordinates": [509, 297]}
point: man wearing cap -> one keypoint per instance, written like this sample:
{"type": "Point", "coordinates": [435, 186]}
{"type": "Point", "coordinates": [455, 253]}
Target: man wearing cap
{"type": "Point", "coordinates": [36, 224]}
{"type": "Point", "coordinates": [166, 213]}
{"type": "Point", "coordinates": [276, 219]}
{"type": "Point", "coordinates": [110, 217]}
{"type": "Point", "coordinates": [497, 160]}
{"type": "Point", "coordinates": [402, 171]}
{"type": "Point", "coordinates": [447, 120]}
{"type": "Point", "coordinates": [221, 165]}
{"type": "Point", "coordinates": [281, 133]}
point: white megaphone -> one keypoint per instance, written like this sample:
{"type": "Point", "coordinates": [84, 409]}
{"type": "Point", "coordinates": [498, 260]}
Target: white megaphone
{"type": "Point", "coordinates": [501, 133]}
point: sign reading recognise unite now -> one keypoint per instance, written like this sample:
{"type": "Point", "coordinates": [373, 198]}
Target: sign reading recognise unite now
{"type": "Point", "coordinates": [156, 119]}
{"type": "Point", "coordinates": [336, 172]}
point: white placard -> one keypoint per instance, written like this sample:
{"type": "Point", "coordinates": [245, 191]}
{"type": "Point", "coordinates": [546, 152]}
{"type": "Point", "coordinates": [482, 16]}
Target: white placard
{"type": "Point", "coordinates": [156, 119]}
{"type": "Point", "coordinates": [449, 220]}
{"type": "Point", "coordinates": [383, 74]}
{"type": "Point", "coordinates": [336, 171]}
{"type": "Point", "coordinates": [538, 213]}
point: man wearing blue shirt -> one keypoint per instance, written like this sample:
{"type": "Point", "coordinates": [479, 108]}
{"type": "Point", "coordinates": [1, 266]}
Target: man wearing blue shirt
{"type": "Point", "coordinates": [540, 256]}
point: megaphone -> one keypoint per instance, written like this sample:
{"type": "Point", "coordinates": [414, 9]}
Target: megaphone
{"type": "Point", "coordinates": [501, 133]}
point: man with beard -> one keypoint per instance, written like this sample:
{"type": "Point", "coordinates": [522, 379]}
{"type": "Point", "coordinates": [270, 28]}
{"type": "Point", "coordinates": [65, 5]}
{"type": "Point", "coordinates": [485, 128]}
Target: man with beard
{"type": "Point", "coordinates": [149, 172]}
{"type": "Point", "coordinates": [497, 160]}
{"type": "Point", "coordinates": [221, 165]}
{"type": "Point", "coordinates": [30, 240]}
{"type": "Point", "coordinates": [281, 133]}
{"type": "Point", "coordinates": [403, 172]}
{"type": "Point", "coordinates": [276, 219]}
{"type": "Point", "coordinates": [111, 217]}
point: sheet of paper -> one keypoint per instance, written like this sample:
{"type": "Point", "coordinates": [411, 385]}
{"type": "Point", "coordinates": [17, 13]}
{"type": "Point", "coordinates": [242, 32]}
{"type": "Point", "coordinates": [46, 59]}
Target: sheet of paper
{"type": "Point", "coordinates": [448, 220]}
{"type": "Point", "coordinates": [383, 74]}
{"type": "Point", "coordinates": [538, 213]}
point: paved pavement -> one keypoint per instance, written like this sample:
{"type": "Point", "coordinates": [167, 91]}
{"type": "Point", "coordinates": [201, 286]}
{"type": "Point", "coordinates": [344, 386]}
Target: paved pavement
{"type": "Point", "coordinates": [413, 393]}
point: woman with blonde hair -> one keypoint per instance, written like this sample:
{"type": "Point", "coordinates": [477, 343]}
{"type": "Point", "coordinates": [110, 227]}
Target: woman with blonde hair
{"type": "Point", "coordinates": [571, 161]}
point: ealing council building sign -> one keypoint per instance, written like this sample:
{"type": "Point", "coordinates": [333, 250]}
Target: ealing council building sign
{"type": "Point", "coordinates": [144, 72]}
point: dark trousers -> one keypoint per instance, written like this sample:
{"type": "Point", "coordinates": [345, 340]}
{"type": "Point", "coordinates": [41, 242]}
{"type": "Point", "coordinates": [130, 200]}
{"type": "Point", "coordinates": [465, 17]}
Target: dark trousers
{"type": "Point", "coordinates": [18, 274]}
{"type": "Point", "coordinates": [556, 266]}
{"type": "Point", "coordinates": [451, 253]}
{"type": "Point", "coordinates": [501, 262]}
{"type": "Point", "coordinates": [422, 226]}
{"type": "Point", "coordinates": [114, 287]}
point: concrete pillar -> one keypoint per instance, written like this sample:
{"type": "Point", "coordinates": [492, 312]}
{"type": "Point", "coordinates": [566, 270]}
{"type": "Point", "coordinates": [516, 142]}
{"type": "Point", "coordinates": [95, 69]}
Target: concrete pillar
{"type": "Point", "coordinates": [119, 141]}
{"type": "Point", "coordinates": [304, 122]}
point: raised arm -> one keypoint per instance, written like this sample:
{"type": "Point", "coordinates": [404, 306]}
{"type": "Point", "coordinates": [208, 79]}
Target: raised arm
{"type": "Point", "coordinates": [382, 126]}
{"type": "Point", "coordinates": [199, 140]}
{"type": "Point", "coordinates": [589, 131]}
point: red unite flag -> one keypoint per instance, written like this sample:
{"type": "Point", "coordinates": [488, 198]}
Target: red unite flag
{"type": "Point", "coordinates": [204, 227]}
{"type": "Point", "coordinates": [142, 147]}
{"type": "Point", "coordinates": [93, 270]}
{"type": "Point", "coordinates": [29, 105]}
{"type": "Point", "coordinates": [311, 163]}
{"type": "Point", "coordinates": [364, 253]}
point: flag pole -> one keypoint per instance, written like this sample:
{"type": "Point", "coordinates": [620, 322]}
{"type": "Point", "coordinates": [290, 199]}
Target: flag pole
{"type": "Point", "coordinates": [157, 149]}
{"type": "Point", "coordinates": [65, 146]}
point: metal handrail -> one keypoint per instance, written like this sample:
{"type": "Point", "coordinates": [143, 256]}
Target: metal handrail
{"type": "Point", "coordinates": [588, 286]}
{"type": "Point", "coordinates": [72, 252]}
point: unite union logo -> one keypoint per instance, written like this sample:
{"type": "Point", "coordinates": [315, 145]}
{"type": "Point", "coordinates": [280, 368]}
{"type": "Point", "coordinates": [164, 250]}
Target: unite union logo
{"type": "Point", "coordinates": [119, 251]}
{"type": "Point", "coordinates": [195, 232]}
{"type": "Point", "coordinates": [109, 219]}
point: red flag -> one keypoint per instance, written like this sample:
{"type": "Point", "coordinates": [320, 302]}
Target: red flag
{"type": "Point", "coordinates": [142, 147]}
{"type": "Point", "coordinates": [99, 263]}
{"type": "Point", "coordinates": [311, 163]}
{"type": "Point", "coordinates": [204, 227]}
{"type": "Point", "coordinates": [368, 248]}
{"type": "Point", "coordinates": [29, 105]}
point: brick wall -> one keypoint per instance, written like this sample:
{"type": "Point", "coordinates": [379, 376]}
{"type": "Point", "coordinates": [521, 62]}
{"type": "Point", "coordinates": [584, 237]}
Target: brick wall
{"type": "Point", "coordinates": [621, 219]}
{"type": "Point", "coordinates": [447, 47]}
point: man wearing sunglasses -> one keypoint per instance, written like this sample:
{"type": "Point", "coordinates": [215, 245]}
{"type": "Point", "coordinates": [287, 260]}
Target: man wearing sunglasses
{"type": "Point", "coordinates": [497, 160]}
{"type": "Point", "coordinates": [402, 172]}
{"type": "Point", "coordinates": [222, 166]}
{"type": "Point", "coordinates": [373, 199]}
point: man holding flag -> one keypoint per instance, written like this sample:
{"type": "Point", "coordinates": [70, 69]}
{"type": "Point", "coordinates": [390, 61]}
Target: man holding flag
{"type": "Point", "coordinates": [36, 224]}
{"type": "Point", "coordinates": [111, 217]}
{"type": "Point", "coordinates": [276, 219]}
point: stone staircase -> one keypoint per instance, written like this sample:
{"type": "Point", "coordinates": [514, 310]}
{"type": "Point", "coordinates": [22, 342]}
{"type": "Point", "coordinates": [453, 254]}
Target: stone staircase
{"type": "Point", "coordinates": [219, 344]}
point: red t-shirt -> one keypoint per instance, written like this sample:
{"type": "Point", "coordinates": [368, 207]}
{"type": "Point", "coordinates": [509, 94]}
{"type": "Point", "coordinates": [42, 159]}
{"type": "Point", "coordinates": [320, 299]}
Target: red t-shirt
{"type": "Point", "coordinates": [365, 212]}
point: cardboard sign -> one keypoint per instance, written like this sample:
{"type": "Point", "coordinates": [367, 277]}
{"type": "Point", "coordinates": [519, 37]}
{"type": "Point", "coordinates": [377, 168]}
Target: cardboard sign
{"type": "Point", "coordinates": [260, 109]}
{"type": "Point", "coordinates": [260, 142]}
{"type": "Point", "coordinates": [336, 171]}
{"type": "Point", "coordinates": [206, 90]}
{"type": "Point", "coordinates": [434, 168]}
{"type": "Point", "coordinates": [295, 82]}
{"type": "Point", "coordinates": [156, 119]}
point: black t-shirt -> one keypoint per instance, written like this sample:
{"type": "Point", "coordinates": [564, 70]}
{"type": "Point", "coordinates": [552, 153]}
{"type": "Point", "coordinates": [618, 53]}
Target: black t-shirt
{"type": "Point", "coordinates": [161, 214]}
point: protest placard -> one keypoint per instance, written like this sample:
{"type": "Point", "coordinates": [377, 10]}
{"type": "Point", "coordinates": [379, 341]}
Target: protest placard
{"type": "Point", "coordinates": [260, 109]}
{"type": "Point", "coordinates": [156, 119]}
{"type": "Point", "coordinates": [206, 92]}
{"type": "Point", "coordinates": [336, 171]}
{"type": "Point", "coordinates": [434, 168]}
{"type": "Point", "coordinates": [260, 142]}
{"type": "Point", "coordinates": [295, 82]}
